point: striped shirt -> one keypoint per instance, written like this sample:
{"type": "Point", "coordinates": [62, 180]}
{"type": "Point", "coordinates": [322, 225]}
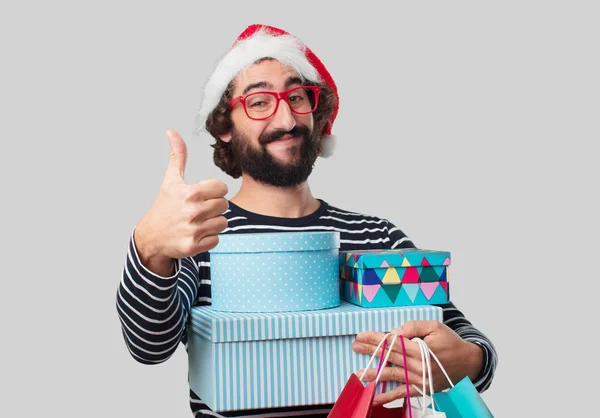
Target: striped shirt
{"type": "Point", "coordinates": [154, 310]}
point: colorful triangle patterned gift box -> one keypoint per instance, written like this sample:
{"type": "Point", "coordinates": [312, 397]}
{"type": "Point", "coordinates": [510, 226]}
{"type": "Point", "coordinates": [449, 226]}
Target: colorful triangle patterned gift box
{"type": "Point", "coordinates": [401, 277]}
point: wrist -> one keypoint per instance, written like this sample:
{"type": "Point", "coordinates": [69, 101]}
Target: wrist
{"type": "Point", "coordinates": [474, 360]}
{"type": "Point", "coordinates": [149, 252]}
{"type": "Point", "coordinates": [146, 246]}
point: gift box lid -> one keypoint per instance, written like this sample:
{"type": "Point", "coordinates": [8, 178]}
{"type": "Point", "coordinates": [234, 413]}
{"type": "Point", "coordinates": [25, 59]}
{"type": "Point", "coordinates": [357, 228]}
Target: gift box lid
{"type": "Point", "coordinates": [405, 257]}
{"type": "Point", "coordinates": [346, 319]}
{"type": "Point", "coordinates": [277, 242]}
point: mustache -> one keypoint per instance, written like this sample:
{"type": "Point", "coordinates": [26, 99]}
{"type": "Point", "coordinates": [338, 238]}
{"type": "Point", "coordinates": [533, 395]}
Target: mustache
{"type": "Point", "coordinates": [280, 133]}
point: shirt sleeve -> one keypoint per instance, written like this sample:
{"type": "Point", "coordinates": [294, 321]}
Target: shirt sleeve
{"type": "Point", "coordinates": [455, 320]}
{"type": "Point", "coordinates": [152, 309]}
{"type": "Point", "coordinates": [397, 238]}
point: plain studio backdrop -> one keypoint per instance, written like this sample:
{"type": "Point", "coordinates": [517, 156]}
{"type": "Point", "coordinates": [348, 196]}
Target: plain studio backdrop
{"type": "Point", "coordinates": [473, 126]}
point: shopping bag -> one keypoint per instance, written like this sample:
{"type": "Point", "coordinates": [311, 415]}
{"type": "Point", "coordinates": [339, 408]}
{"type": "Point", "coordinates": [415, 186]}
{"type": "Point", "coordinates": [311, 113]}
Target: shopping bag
{"type": "Point", "coordinates": [381, 411]}
{"type": "Point", "coordinates": [356, 399]}
{"type": "Point", "coordinates": [461, 400]}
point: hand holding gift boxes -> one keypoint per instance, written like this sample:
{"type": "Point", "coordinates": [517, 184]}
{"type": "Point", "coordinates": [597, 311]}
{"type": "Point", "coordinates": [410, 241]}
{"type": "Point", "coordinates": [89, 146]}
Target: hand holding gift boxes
{"type": "Point", "coordinates": [401, 277]}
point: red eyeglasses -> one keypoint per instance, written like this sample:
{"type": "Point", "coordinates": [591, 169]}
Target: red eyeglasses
{"type": "Point", "coordinates": [262, 105]}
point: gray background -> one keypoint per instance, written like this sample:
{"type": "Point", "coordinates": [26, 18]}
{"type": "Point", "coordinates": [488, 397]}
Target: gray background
{"type": "Point", "coordinates": [468, 124]}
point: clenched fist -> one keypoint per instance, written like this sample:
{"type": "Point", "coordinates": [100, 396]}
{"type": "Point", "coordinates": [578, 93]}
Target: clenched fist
{"type": "Point", "coordinates": [184, 219]}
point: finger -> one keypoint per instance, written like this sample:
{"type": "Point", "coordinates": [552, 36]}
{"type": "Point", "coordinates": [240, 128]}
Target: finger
{"type": "Point", "coordinates": [412, 349]}
{"type": "Point", "coordinates": [421, 329]}
{"type": "Point", "coordinates": [414, 365]}
{"type": "Point", "coordinates": [212, 226]}
{"type": "Point", "coordinates": [391, 374]}
{"type": "Point", "coordinates": [390, 395]}
{"type": "Point", "coordinates": [207, 243]}
{"type": "Point", "coordinates": [373, 339]}
{"type": "Point", "coordinates": [210, 189]}
{"type": "Point", "coordinates": [212, 208]}
{"type": "Point", "coordinates": [178, 157]}
{"type": "Point", "coordinates": [395, 357]}
{"type": "Point", "coordinates": [370, 337]}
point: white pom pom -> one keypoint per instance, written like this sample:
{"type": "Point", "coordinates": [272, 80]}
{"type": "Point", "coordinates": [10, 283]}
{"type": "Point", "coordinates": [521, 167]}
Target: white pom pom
{"type": "Point", "coordinates": [328, 143]}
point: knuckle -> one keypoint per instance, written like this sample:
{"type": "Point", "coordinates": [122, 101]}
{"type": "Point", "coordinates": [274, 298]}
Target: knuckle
{"type": "Point", "coordinates": [216, 207]}
{"type": "Point", "coordinates": [208, 243]}
{"type": "Point", "coordinates": [396, 375]}
{"type": "Point", "coordinates": [395, 394]}
{"type": "Point", "coordinates": [190, 213]}
{"type": "Point", "coordinates": [187, 194]}
{"type": "Point", "coordinates": [419, 368]}
{"type": "Point", "coordinates": [361, 348]}
{"type": "Point", "coordinates": [222, 223]}
{"type": "Point", "coordinates": [217, 187]}
{"type": "Point", "coordinates": [224, 189]}
{"type": "Point", "coordinates": [187, 246]}
{"type": "Point", "coordinates": [224, 205]}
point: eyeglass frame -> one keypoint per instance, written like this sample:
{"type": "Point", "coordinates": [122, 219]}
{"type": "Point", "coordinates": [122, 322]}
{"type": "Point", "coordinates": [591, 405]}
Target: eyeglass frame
{"type": "Point", "coordinates": [284, 95]}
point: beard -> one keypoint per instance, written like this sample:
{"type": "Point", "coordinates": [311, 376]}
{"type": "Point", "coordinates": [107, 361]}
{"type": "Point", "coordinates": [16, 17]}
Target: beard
{"type": "Point", "coordinates": [263, 167]}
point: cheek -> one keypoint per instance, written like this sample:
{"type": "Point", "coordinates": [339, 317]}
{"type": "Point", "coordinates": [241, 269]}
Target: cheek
{"type": "Point", "coordinates": [306, 120]}
{"type": "Point", "coordinates": [250, 129]}
{"type": "Point", "coordinates": [243, 125]}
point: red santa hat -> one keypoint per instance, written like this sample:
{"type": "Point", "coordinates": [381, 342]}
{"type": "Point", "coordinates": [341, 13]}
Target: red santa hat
{"type": "Point", "coordinates": [262, 41]}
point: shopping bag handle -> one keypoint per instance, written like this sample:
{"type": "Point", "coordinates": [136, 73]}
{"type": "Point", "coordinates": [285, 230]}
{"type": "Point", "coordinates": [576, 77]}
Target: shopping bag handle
{"type": "Point", "coordinates": [426, 352]}
{"type": "Point", "coordinates": [382, 360]}
{"type": "Point", "coordinates": [429, 352]}
{"type": "Point", "coordinates": [425, 367]}
{"type": "Point", "coordinates": [384, 342]}
{"type": "Point", "coordinates": [385, 361]}
{"type": "Point", "coordinates": [408, 406]}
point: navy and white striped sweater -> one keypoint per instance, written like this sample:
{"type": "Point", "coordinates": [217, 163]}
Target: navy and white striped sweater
{"type": "Point", "coordinates": [154, 310]}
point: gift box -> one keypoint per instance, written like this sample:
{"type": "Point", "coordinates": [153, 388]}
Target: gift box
{"type": "Point", "coordinates": [275, 272]}
{"type": "Point", "coordinates": [402, 277]}
{"type": "Point", "coordinates": [241, 361]}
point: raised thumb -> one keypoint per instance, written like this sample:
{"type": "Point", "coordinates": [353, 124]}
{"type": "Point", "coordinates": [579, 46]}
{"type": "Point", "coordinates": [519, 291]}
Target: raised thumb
{"type": "Point", "coordinates": [178, 157]}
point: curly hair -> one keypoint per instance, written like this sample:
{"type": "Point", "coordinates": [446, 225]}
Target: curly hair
{"type": "Point", "coordinates": [219, 123]}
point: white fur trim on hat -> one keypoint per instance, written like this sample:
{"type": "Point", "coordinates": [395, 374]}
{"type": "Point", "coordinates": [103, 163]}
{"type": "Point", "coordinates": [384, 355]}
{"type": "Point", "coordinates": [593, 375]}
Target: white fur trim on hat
{"type": "Point", "coordinates": [328, 143]}
{"type": "Point", "coordinates": [284, 48]}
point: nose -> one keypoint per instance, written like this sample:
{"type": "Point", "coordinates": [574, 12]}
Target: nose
{"type": "Point", "coordinates": [283, 117]}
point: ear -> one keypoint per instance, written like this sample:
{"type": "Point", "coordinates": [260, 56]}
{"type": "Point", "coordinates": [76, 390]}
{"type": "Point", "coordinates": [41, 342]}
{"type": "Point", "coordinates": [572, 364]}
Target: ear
{"type": "Point", "coordinates": [225, 137]}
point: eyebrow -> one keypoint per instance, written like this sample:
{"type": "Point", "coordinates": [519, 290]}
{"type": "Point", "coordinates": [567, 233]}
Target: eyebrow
{"type": "Point", "coordinates": [263, 84]}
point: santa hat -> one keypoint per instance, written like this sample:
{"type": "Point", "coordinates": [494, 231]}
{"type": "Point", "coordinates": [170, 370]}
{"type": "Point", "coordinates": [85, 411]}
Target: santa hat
{"type": "Point", "coordinates": [262, 41]}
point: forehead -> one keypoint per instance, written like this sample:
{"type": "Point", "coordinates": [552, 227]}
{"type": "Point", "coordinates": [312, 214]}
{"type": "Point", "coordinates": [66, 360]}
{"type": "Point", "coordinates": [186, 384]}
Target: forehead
{"type": "Point", "coordinates": [269, 71]}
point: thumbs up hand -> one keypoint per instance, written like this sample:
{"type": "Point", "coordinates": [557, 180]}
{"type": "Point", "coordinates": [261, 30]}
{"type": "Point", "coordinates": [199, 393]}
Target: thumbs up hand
{"type": "Point", "coordinates": [184, 219]}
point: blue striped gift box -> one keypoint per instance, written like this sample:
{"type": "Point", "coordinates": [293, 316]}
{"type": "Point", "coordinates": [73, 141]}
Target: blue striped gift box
{"type": "Point", "coordinates": [243, 361]}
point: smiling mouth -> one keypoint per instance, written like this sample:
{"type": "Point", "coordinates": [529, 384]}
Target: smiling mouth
{"type": "Point", "coordinates": [284, 138]}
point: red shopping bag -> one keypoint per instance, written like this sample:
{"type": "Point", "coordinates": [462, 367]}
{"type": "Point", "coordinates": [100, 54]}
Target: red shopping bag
{"type": "Point", "coordinates": [356, 399]}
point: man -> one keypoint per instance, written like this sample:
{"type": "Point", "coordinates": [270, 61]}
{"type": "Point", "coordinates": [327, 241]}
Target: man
{"type": "Point", "coordinates": [270, 105]}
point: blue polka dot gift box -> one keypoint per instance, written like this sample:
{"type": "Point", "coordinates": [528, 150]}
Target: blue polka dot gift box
{"type": "Point", "coordinates": [398, 277]}
{"type": "Point", "coordinates": [275, 272]}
